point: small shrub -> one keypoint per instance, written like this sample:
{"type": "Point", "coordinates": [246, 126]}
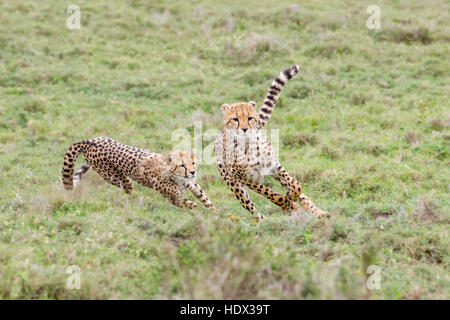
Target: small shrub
{"type": "Point", "coordinates": [358, 99]}
{"type": "Point", "coordinates": [328, 50]}
{"type": "Point", "coordinates": [299, 139]}
{"type": "Point", "coordinates": [437, 124]}
{"type": "Point", "coordinates": [408, 36]}
{"type": "Point", "coordinates": [338, 232]}
{"type": "Point", "coordinates": [329, 152]}
{"type": "Point", "coordinates": [426, 210]}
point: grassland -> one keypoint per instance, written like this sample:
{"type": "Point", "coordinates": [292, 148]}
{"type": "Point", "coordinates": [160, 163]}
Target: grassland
{"type": "Point", "coordinates": [365, 128]}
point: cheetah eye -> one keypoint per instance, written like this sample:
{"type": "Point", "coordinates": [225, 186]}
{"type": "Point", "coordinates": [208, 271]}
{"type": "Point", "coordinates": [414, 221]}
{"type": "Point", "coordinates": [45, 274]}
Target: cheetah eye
{"type": "Point", "coordinates": [235, 119]}
{"type": "Point", "coordinates": [250, 118]}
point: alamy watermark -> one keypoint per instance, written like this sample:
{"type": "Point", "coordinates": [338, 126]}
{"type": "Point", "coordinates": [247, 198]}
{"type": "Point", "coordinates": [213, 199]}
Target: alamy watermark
{"type": "Point", "coordinates": [374, 280]}
{"type": "Point", "coordinates": [245, 147]}
{"type": "Point", "coordinates": [74, 280]}
{"type": "Point", "coordinates": [73, 22]}
{"type": "Point", "coordinates": [374, 21]}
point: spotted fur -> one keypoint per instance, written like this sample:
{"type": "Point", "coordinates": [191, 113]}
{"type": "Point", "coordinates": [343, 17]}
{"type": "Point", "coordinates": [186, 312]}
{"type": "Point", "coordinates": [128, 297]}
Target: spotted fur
{"type": "Point", "coordinates": [245, 156]}
{"type": "Point", "coordinates": [171, 174]}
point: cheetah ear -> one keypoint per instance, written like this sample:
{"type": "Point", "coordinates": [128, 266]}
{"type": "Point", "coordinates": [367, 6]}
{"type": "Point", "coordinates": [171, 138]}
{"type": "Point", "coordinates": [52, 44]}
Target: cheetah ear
{"type": "Point", "coordinates": [252, 103]}
{"type": "Point", "coordinates": [224, 107]}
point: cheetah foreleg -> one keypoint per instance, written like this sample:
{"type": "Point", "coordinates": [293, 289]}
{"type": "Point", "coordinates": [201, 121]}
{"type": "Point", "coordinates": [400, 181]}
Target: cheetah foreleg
{"type": "Point", "coordinates": [189, 204]}
{"type": "Point", "coordinates": [241, 194]}
{"type": "Point", "coordinates": [200, 195]}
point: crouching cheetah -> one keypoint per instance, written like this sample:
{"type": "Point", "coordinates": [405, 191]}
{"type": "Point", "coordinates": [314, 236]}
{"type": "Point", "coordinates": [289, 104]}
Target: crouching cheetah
{"type": "Point", "coordinates": [171, 174]}
{"type": "Point", "coordinates": [245, 156]}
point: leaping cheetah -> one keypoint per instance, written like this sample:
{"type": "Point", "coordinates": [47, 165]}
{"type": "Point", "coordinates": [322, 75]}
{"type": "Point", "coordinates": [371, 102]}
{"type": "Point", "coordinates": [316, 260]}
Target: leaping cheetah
{"type": "Point", "coordinates": [171, 174]}
{"type": "Point", "coordinates": [245, 156]}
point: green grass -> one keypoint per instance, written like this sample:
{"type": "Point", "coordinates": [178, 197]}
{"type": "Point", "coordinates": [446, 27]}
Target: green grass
{"type": "Point", "coordinates": [364, 127]}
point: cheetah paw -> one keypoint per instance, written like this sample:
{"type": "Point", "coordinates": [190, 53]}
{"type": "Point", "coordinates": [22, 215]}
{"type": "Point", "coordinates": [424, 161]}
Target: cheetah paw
{"type": "Point", "coordinates": [259, 218]}
{"type": "Point", "coordinates": [322, 213]}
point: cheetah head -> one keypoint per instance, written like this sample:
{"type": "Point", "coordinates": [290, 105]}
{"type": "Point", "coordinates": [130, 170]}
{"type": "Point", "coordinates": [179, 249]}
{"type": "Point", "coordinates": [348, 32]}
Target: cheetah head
{"type": "Point", "coordinates": [182, 165]}
{"type": "Point", "coordinates": [240, 118]}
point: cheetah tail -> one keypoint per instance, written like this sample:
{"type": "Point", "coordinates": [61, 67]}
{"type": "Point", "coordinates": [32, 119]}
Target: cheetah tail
{"type": "Point", "coordinates": [69, 162]}
{"type": "Point", "coordinates": [265, 113]}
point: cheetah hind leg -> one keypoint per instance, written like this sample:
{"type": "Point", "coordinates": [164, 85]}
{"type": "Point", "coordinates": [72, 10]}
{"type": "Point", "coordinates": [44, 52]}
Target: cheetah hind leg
{"type": "Point", "coordinates": [117, 179]}
{"type": "Point", "coordinates": [80, 174]}
{"type": "Point", "coordinates": [122, 181]}
{"type": "Point", "coordinates": [295, 192]}
{"type": "Point", "coordinates": [310, 207]}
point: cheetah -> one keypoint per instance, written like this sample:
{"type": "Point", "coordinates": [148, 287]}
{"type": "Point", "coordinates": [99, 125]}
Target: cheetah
{"type": "Point", "coordinates": [245, 156]}
{"type": "Point", "coordinates": [171, 173]}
